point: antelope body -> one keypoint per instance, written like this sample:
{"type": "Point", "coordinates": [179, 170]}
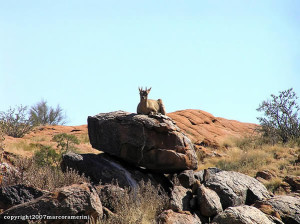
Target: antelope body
{"type": "Point", "coordinates": [151, 107]}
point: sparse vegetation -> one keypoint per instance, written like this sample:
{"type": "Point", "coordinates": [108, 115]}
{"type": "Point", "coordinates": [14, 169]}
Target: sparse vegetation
{"type": "Point", "coordinates": [247, 162]}
{"type": "Point", "coordinates": [42, 114]}
{"type": "Point", "coordinates": [280, 121]}
{"type": "Point", "coordinates": [18, 121]}
{"type": "Point", "coordinates": [65, 142]}
{"type": "Point", "coordinates": [25, 146]}
{"type": "Point", "coordinates": [46, 177]}
{"type": "Point", "coordinates": [14, 122]}
{"type": "Point", "coordinates": [47, 156]}
{"type": "Point", "coordinates": [250, 155]}
{"type": "Point", "coordinates": [273, 184]}
{"type": "Point", "coordinates": [84, 138]}
{"type": "Point", "coordinates": [141, 205]}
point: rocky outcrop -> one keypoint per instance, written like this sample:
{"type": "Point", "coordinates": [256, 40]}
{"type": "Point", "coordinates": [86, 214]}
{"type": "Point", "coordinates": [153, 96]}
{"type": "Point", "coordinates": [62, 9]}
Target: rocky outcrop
{"type": "Point", "coordinates": [105, 169]}
{"type": "Point", "coordinates": [152, 142]}
{"type": "Point", "coordinates": [236, 189]}
{"type": "Point", "coordinates": [214, 190]}
{"type": "Point", "coordinates": [17, 194]}
{"type": "Point", "coordinates": [288, 207]}
{"type": "Point", "coordinates": [171, 217]}
{"type": "Point", "coordinates": [242, 215]}
{"type": "Point", "coordinates": [77, 199]}
{"type": "Point", "coordinates": [204, 129]}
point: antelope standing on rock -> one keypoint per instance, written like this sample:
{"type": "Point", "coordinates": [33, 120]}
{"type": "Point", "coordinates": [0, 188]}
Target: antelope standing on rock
{"type": "Point", "coordinates": [149, 107]}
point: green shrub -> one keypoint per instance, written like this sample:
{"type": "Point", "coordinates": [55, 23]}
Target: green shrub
{"type": "Point", "coordinates": [14, 122]}
{"type": "Point", "coordinates": [42, 114]}
{"type": "Point", "coordinates": [65, 142]}
{"type": "Point", "coordinates": [47, 156]}
{"type": "Point", "coordinates": [280, 121]}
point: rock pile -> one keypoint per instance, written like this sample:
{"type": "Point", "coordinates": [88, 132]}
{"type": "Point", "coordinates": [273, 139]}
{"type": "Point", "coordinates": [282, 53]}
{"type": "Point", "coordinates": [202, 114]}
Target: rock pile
{"type": "Point", "coordinates": [151, 148]}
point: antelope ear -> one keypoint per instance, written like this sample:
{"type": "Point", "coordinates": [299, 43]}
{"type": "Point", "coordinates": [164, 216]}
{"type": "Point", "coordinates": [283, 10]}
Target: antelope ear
{"type": "Point", "coordinates": [140, 89]}
{"type": "Point", "coordinates": [148, 91]}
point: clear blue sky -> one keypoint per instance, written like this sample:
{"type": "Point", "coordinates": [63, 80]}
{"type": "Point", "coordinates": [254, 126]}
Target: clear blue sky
{"type": "Point", "coordinates": [224, 57]}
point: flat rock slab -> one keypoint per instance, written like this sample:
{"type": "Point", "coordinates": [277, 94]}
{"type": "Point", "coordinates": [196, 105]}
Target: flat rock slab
{"type": "Point", "coordinates": [152, 142]}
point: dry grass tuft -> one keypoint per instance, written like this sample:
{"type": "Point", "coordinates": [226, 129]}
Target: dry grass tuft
{"type": "Point", "coordinates": [84, 138]}
{"type": "Point", "coordinates": [141, 205]}
{"type": "Point", "coordinates": [250, 155]}
{"type": "Point", "coordinates": [46, 177]}
{"type": "Point", "coordinates": [273, 184]}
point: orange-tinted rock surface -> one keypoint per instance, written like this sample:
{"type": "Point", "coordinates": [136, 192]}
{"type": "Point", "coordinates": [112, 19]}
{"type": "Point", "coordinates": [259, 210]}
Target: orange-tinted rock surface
{"type": "Point", "coordinates": [205, 129]}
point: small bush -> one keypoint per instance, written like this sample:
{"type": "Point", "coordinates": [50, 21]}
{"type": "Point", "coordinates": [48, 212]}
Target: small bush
{"type": "Point", "coordinates": [42, 114]}
{"type": "Point", "coordinates": [280, 121]}
{"type": "Point", "coordinates": [66, 142]}
{"type": "Point", "coordinates": [47, 156]}
{"type": "Point", "coordinates": [14, 122]}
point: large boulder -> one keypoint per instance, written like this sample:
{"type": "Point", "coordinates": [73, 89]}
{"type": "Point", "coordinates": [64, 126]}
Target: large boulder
{"type": "Point", "coordinates": [208, 202]}
{"type": "Point", "coordinates": [242, 215]}
{"type": "Point", "coordinates": [171, 217]}
{"type": "Point", "coordinates": [75, 200]}
{"type": "Point", "coordinates": [235, 188]}
{"type": "Point", "coordinates": [180, 198]}
{"type": "Point", "coordinates": [187, 178]}
{"type": "Point", "coordinates": [104, 169]}
{"type": "Point", "coordinates": [288, 207]}
{"type": "Point", "coordinates": [17, 194]}
{"type": "Point", "coordinates": [152, 142]}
